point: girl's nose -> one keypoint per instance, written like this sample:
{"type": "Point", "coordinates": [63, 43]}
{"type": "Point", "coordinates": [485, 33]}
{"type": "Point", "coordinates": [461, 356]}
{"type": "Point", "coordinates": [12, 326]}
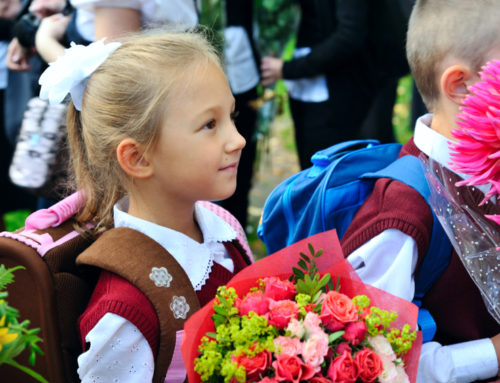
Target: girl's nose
{"type": "Point", "coordinates": [236, 141]}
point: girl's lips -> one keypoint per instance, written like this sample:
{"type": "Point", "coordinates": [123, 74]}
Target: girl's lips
{"type": "Point", "coordinates": [230, 167]}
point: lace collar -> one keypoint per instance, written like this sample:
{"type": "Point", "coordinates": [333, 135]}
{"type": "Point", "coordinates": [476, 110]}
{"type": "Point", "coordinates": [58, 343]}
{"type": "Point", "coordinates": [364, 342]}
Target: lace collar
{"type": "Point", "coordinates": [195, 258]}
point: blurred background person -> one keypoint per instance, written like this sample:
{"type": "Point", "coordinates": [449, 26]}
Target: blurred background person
{"type": "Point", "coordinates": [347, 52]}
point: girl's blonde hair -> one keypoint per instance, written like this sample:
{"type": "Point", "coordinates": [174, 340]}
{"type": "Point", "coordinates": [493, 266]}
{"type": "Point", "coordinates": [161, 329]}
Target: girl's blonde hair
{"type": "Point", "coordinates": [126, 97]}
{"type": "Point", "coordinates": [462, 29]}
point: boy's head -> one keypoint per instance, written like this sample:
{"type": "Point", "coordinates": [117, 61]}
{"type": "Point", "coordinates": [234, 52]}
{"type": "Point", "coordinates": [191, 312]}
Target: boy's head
{"type": "Point", "coordinates": [443, 34]}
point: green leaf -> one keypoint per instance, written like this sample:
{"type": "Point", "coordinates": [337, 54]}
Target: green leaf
{"type": "Point", "coordinates": [305, 257]}
{"type": "Point", "coordinates": [324, 281]}
{"type": "Point", "coordinates": [303, 264]}
{"type": "Point", "coordinates": [299, 274]}
{"type": "Point", "coordinates": [218, 319]}
{"type": "Point", "coordinates": [7, 275]}
{"type": "Point", "coordinates": [317, 295]}
{"type": "Point", "coordinates": [311, 249]}
{"type": "Point", "coordinates": [28, 371]}
{"type": "Point", "coordinates": [318, 254]}
{"type": "Point", "coordinates": [334, 336]}
{"type": "Point", "coordinates": [211, 335]}
{"type": "Point", "coordinates": [220, 310]}
{"type": "Point", "coordinates": [330, 285]}
{"type": "Point", "coordinates": [337, 285]}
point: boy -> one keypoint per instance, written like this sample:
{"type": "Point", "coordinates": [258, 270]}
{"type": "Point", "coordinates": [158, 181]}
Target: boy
{"type": "Point", "coordinates": [448, 42]}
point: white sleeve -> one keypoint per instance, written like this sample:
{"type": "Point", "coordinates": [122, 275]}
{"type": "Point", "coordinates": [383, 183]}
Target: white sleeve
{"type": "Point", "coordinates": [458, 363]}
{"type": "Point", "coordinates": [118, 353]}
{"type": "Point", "coordinates": [388, 262]}
{"type": "Point", "coordinates": [89, 5]}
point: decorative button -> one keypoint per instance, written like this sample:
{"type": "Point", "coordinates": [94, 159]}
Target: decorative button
{"type": "Point", "coordinates": [179, 307]}
{"type": "Point", "coordinates": [160, 276]}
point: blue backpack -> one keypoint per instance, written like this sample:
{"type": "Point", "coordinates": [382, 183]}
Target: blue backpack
{"type": "Point", "coordinates": [329, 193]}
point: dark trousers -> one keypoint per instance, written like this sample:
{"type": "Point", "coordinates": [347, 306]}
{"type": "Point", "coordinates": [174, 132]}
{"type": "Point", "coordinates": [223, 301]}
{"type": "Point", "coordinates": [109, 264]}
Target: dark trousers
{"type": "Point", "coordinates": [246, 120]}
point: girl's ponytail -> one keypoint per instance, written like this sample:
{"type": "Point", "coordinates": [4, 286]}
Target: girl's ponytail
{"type": "Point", "coordinates": [83, 179]}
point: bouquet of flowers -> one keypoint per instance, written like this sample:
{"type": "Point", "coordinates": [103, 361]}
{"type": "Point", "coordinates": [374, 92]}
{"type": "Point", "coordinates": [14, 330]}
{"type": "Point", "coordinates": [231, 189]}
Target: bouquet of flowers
{"type": "Point", "coordinates": [461, 199]}
{"type": "Point", "coordinates": [316, 322]}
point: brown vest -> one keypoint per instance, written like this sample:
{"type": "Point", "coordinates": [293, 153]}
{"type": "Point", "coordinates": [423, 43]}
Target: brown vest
{"type": "Point", "coordinates": [117, 251]}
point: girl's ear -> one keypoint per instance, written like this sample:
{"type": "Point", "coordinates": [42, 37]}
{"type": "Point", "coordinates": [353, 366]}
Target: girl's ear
{"type": "Point", "coordinates": [454, 82]}
{"type": "Point", "coordinates": [132, 159]}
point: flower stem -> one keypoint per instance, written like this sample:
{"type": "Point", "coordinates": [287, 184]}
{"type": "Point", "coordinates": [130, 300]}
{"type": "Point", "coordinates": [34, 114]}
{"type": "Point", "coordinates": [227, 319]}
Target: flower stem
{"type": "Point", "coordinates": [28, 371]}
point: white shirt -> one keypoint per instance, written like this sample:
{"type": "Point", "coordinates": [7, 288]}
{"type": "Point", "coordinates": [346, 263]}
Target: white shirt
{"type": "Point", "coordinates": [179, 14]}
{"type": "Point", "coordinates": [241, 69]}
{"type": "Point", "coordinates": [388, 262]}
{"type": "Point", "coordinates": [310, 89]}
{"type": "Point", "coordinates": [118, 351]}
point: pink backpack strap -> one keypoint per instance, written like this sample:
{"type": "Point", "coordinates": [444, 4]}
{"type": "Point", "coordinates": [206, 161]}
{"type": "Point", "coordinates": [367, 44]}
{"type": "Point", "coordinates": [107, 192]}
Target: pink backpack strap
{"type": "Point", "coordinates": [233, 222]}
{"type": "Point", "coordinates": [35, 232]}
{"type": "Point", "coordinates": [56, 214]}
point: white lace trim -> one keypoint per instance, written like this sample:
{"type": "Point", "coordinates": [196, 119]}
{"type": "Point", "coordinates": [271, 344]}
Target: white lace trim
{"type": "Point", "coordinates": [195, 258]}
{"type": "Point", "coordinates": [206, 275]}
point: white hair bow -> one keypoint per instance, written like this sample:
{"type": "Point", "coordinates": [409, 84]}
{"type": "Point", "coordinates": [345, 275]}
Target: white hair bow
{"type": "Point", "coordinates": [70, 72]}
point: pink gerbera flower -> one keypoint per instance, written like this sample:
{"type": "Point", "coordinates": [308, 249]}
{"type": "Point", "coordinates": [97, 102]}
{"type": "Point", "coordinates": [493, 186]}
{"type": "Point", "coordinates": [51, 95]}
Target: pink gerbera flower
{"type": "Point", "coordinates": [477, 149]}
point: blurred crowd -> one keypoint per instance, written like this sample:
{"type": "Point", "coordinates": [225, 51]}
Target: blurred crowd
{"type": "Point", "coordinates": [341, 80]}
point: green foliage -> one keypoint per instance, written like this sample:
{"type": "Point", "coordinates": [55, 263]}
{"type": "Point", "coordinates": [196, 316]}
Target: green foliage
{"type": "Point", "coordinates": [15, 336]}
{"type": "Point", "coordinates": [15, 219]}
{"type": "Point", "coordinates": [306, 277]}
{"type": "Point", "coordinates": [401, 340]}
{"type": "Point", "coordinates": [277, 22]}
{"type": "Point", "coordinates": [402, 110]}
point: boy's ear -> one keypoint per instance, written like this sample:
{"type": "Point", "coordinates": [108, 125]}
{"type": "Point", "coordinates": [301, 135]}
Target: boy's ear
{"type": "Point", "coordinates": [132, 158]}
{"type": "Point", "coordinates": [454, 82]}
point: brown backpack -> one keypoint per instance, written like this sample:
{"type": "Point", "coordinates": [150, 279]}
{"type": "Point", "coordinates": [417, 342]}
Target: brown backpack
{"type": "Point", "coordinates": [54, 289]}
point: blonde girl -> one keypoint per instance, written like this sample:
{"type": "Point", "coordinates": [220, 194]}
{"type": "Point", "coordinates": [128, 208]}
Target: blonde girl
{"type": "Point", "coordinates": [151, 132]}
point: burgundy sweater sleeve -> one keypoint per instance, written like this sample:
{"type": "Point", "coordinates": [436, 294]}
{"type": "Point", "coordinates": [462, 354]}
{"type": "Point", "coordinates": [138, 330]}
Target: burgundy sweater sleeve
{"type": "Point", "coordinates": [114, 294]}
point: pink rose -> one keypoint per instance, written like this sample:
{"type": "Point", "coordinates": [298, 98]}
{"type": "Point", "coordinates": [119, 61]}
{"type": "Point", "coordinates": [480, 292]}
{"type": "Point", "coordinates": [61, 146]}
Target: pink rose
{"type": "Point", "coordinates": [254, 301]}
{"type": "Point", "coordinates": [254, 366]}
{"type": "Point", "coordinates": [337, 309]}
{"type": "Point", "coordinates": [369, 365]}
{"type": "Point", "coordinates": [288, 346]}
{"type": "Point", "coordinates": [268, 380]}
{"type": "Point", "coordinates": [280, 313]}
{"type": "Point", "coordinates": [341, 347]}
{"type": "Point", "coordinates": [320, 379]}
{"type": "Point", "coordinates": [312, 323]}
{"type": "Point", "coordinates": [343, 369]}
{"type": "Point", "coordinates": [278, 289]}
{"type": "Point", "coordinates": [315, 349]}
{"type": "Point", "coordinates": [355, 332]}
{"type": "Point", "coordinates": [291, 369]}
{"type": "Point", "coordinates": [295, 328]}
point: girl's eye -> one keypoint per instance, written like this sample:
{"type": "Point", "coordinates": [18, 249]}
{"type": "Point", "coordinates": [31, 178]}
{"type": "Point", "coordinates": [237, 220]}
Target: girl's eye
{"type": "Point", "coordinates": [209, 125]}
{"type": "Point", "coordinates": [234, 115]}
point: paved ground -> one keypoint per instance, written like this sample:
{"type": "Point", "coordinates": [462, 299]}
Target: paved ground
{"type": "Point", "coordinates": [278, 161]}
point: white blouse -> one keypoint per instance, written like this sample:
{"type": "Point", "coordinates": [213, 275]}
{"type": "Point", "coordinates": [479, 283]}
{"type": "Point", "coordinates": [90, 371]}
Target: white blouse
{"type": "Point", "coordinates": [179, 14]}
{"type": "Point", "coordinates": [388, 262]}
{"type": "Point", "coordinates": [118, 351]}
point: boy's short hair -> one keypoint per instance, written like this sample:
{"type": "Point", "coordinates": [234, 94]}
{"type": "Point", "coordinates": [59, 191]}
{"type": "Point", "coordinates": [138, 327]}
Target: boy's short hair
{"type": "Point", "coordinates": [466, 30]}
